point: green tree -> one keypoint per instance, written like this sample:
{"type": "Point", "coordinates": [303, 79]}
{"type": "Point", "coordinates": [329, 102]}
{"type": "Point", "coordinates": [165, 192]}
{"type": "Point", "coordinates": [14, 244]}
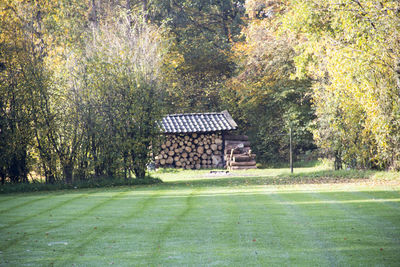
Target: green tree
{"type": "Point", "coordinates": [263, 94]}
{"type": "Point", "coordinates": [200, 56]}
{"type": "Point", "coordinates": [123, 75]}
{"type": "Point", "coordinates": [350, 50]}
{"type": "Point", "coordinates": [23, 76]}
{"type": "Point", "coordinates": [80, 89]}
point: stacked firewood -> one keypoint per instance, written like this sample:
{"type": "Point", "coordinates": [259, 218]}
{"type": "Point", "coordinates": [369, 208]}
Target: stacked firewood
{"type": "Point", "coordinates": [238, 153]}
{"type": "Point", "coordinates": [191, 151]}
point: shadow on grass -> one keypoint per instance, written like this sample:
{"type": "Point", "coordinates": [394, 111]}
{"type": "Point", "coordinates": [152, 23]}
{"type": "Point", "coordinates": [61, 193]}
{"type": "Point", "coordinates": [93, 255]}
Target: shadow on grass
{"type": "Point", "coordinates": [167, 170]}
{"type": "Point", "coordinates": [318, 177]}
{"type": "Point", "coordinates": [233, 179]}
{"type": "Point", "coordinates": [296, 164]}
{"type": "Point", "coordinates": [342, 174]}
{"type": "Point", "coordinates": [98, 183]}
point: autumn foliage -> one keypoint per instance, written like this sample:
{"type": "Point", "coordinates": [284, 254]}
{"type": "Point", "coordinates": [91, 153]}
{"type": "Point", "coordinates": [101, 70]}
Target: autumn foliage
{"type": "Point", "coordinates": [83, 83]}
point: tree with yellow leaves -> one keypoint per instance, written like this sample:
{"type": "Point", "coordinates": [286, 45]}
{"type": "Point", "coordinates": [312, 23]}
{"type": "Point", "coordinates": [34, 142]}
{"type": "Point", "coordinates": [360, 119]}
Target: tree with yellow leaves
{"type": "Point", "coordinates": [351, 49]}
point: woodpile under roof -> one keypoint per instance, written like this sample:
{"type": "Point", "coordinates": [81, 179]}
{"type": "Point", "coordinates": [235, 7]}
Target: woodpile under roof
{"type": "Point", "coordinates": [198, 122]}
{"type": "Point", "coordinates": [197, 140]}
{"type": "Point", "coordinates": [191, 151]}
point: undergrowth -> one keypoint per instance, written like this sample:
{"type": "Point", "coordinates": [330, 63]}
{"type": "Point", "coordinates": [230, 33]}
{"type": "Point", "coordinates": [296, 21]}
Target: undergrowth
{"type": "Point", "coordinates": [98, 183]}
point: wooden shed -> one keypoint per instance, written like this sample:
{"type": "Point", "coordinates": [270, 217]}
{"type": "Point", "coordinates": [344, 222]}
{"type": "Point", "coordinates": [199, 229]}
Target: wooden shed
{"type": "Point", "coordinates": [196, 140]}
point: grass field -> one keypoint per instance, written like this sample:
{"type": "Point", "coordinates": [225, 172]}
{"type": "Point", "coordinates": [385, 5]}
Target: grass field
{"type": "Point", "coordinates": [262, 217]}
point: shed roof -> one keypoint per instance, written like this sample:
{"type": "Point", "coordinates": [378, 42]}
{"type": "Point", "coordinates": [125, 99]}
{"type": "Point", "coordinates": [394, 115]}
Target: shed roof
{"type": "Point", "coordinates": [198, 122]}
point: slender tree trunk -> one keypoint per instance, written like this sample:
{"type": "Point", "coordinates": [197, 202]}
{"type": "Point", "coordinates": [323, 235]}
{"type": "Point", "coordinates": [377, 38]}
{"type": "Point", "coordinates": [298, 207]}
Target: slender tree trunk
{"type": "Point", "coordinates": [140, 172]}
{"type": "Point", "coordinates": [2, 175]}
{"type": "Point", "coordinates": [290, 150]}
{"type": "Point", "coordinates": [397, 69]}
{"type": "Point", "coordinates": [144, 7]}
{"type": "Point", "coordinates": [129, 8]}
{"type": "Point", "coordinates": [93, 14]}
{"type": "Point", "coordinates": [49, 174]}
{"type": "Point", "coordinates": [126, 167]}
{"type": "Point", "coordinates": [23, 166]}
{"type": "Point", "coordinates": [97, 168]}
{"type": "Point", "coordinates": [67, 171]}
{"type": "Point", "coordinates": [338, 161]}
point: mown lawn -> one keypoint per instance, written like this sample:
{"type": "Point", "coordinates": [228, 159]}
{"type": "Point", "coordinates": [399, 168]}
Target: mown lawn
{"type": "Point", "coordinates": [263, 217]}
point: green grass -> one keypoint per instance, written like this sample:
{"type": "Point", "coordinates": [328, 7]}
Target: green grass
{"type": "Point", "coordinates": [260, 217]}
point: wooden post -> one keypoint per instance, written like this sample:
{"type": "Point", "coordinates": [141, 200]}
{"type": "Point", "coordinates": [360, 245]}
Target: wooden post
{"type": "Point", "coordinates": [223, 148]}
{"type": "Point", "coordinates": [290, 148]}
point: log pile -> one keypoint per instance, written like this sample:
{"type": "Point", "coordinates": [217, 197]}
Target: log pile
{"type": "Point", "coordinates": [238, 154]}
{"type": "Point", "coordinates": [191, 151]}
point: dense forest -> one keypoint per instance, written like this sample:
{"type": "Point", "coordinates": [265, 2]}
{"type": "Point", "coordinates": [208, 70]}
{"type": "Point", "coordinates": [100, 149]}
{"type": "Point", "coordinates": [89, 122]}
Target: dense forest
{"type": "Point", "coordinates": [83, 83]}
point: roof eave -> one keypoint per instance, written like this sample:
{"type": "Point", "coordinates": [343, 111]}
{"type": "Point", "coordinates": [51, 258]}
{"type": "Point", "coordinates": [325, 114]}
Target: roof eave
{"type": "Point", "coordinates": [230, 119]}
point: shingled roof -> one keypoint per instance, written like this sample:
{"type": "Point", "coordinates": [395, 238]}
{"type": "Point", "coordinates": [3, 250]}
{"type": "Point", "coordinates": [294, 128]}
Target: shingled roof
{"type": "Point", "coordinates": [198, 122]}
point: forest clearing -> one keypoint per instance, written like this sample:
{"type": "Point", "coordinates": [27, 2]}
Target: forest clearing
{"type": "Point", "coordinates": [157, 131]}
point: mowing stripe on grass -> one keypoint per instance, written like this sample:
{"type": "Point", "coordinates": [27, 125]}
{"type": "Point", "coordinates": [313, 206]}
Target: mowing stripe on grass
{"type": "Point", "coordinates": [234, 217]}
{"type": "Point", "coordinates": [272, 232]}
{"type": "Point", "coordinates": [5, 199]}
{"type": "Point", "coordinates": [42, 247]}
{"type": "Point", "coordinates": [363, 224]}
{"type": "Point", "coordinates": [215, 217]}
{"type": "Point", "coordinates": [309, 230]}
{"type": "Point", "coordinates": [58, 205]}
{"type": "Point", "coordinates": [244, 224]}
{"type": "Point", "coordinates": [139, 236]}
{"type": "Point", "coordinates": [53, 207]}
{"type": "Point", "coordinates": [101, 228]}
{"type": "Point", "coordinates": [11, 243]}
{"type": "Point", "coordinates": [350, 208]}
{"type": "Point", "coordinates": [272, 247]}
{"type": "Point", "coordinates": [162, 235]}
{"type": "Point", "coordinates": [210, 233]}
{"type": "Point", "coordinates": [93, 235]}
{"type": "Point", "coordinates": [29, 202]}
{"type": "Point", "coordinates": [367, 222]}
{"type": "Point", "coordinates": [391, 203]}
{"type": "Point", "coordinates": [84, 212]}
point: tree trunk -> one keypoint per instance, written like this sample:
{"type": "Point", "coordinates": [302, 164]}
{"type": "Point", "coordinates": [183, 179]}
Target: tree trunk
{"type": "Point", "coordinates": [93, 14]}
{"type": "Point", "coordinates": [50, 178]}
{"type": "Point", "coordinates": [67, 171]}
{"type": "Point", "coordinates": [140, 173]}
{"type": "Point", "coordinates": [2, 176]}
{"type": "Point", "coordinates": [338, 161]}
